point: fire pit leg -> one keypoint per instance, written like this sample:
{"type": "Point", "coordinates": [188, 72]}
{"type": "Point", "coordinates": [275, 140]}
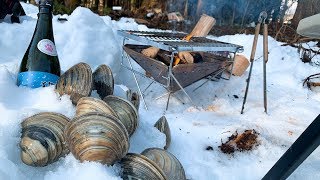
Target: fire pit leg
{"type": "Point", "coordinates": [170, 75]}
{"type": "Point", "coordinates": [148, 87]}
{"type": "Point", "coordinates": [162, 95]}
{"type": "Point", "coordinates": [169, 95]}
{"type": "Point", "coordinates": [174, 78]}
{"type": "Point", "coordinates": [168, 100]}
{"type": "Point", "coordinates": [233, 59]}
{"type": "Point", "coordinates": [210, 79]}
{"type": "Point", "coordinates": [135, 78]}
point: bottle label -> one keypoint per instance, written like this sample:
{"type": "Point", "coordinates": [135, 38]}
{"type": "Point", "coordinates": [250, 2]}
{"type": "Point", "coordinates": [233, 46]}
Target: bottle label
{"type": "Point", "coordinates": [35, 79]}
{"type": "Point", "coordinates": [47, 47]}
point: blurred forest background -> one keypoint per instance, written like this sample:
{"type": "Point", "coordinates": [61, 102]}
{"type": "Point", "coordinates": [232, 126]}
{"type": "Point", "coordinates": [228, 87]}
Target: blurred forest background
{"type": "Point", "coordinates": [238, 14]}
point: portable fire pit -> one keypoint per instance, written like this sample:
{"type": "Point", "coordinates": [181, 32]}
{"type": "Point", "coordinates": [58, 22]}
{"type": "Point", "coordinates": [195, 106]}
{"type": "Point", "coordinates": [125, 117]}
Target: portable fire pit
{"type": "Point", "coordinates": [173, 78]}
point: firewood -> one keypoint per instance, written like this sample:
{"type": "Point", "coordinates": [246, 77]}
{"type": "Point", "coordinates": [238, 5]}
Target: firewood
{"type": "Point", "coordinates": [201, 29]}
{"type": "Point", "coordinates": [150, 52]}
{"type": "Point", "coordinates": [241, 63]}
{"type": "Point", "coordinates": [203, 26]}
{"type": "Point", "coordinates": [164, 56]}
{"type": "Point", "coordinates": [186, 57]}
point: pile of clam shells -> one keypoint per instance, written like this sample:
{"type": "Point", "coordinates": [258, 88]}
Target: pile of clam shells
{"type": "Point", "coordinates": [99, 131]}
{"type": "Point", "coordinates": [79, 81]}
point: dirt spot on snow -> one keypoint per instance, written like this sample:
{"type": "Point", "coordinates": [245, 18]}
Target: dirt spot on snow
{"type": "Point", "coordinates": [240, 142]}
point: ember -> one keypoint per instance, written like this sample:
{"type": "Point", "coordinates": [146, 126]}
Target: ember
{"type": "Point", "coordinates": [243, 142]}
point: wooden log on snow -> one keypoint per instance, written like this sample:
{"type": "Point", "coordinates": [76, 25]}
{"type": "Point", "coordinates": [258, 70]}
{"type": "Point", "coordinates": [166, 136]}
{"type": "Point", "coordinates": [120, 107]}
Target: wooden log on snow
{"type": "Point", "coordinates": [241, 63]}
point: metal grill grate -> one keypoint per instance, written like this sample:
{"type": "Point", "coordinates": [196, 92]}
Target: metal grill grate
{"type": "Point", "coordinates": [173, 41]}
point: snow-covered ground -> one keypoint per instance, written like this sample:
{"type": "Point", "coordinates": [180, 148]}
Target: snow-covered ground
{"type": "Point", "coordinates": [89, 38]}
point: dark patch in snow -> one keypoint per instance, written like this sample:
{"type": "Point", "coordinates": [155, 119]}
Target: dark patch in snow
{"type": "Point", "coordinates": [209, 148]}
{"type": "Point", "coordinates": [240, 142]}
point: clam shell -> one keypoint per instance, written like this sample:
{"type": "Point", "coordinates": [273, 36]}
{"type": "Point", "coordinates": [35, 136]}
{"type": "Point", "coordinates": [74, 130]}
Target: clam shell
{"type": "Point", "coordinates": [167, 162]}
{"type": "Point", "coordinates": [76, 82]}
{"type": "Point", "coordinates": [125, 110]}
{"type": "Point", "coordinates": [97, 137]}
{"type": "Point", "coordinates": [42, 140]}
{"type": "Point", "coordinates": [103, 81]}
{"type": "Point", "coordinates": [136, 166]}
{"type": "Point", "coordinates": [163, 126]}
{"type": "Point", "coordinates": [90, 104]}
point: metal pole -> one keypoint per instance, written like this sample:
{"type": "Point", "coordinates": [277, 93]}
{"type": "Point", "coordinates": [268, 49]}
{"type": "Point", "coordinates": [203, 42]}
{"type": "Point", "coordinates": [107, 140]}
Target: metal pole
{"type": "Point", "coordinates": [253, 52]}
{"type": "Point", "coordinates": [265, 60]}
{"type": "Point", "coordinates": [136, 80]}
{"type": "Point", "coordinates": [262, 18]}
{"type": "Point", "coordinates": [306, 143]}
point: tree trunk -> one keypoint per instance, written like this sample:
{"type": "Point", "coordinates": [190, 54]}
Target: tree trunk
{"type": "Point", "coordinates": [100, 7]}
{"type": "Point", "coordinates": [305, 8]}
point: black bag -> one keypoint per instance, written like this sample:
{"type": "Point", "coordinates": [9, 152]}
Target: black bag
{"type": "Point", "coordinates": [11, 7]}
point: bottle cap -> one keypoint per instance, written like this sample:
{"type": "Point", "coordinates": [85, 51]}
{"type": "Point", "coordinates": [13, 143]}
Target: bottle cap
{"type": "Point", "coordinates": [45, 6]}
{"type": "Point", "coordinates": [46, 3]}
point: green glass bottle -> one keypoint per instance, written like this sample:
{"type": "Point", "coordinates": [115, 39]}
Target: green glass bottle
{"type": "Point", "coordinates": [40, 65]}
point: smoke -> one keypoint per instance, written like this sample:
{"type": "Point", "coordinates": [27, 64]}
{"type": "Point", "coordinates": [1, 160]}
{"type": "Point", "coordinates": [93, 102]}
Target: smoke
{"type": "Point", "coordinates": [226, 11]}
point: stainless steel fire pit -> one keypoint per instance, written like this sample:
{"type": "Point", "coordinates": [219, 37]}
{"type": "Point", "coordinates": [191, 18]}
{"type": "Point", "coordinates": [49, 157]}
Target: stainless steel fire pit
{"type": "Point", "coordinates": [177, 77]}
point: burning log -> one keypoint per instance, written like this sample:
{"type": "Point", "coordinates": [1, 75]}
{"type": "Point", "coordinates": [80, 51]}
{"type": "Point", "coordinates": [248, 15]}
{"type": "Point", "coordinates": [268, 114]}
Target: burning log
{"type": "Point", "coordinates": [201, 29]}
{"type": "Point", "coordinates": [203, 26]}
{"type": "Point", "coordinates": [150, 52]}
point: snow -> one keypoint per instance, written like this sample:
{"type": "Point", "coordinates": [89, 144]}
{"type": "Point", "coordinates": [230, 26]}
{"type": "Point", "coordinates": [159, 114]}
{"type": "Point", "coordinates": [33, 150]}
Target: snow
{"type": "Point", "coordinates": [86, 37]}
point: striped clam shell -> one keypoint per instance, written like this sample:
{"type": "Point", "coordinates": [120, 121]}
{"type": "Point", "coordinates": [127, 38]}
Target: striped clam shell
{"type": "Point", "coordinates": [163, 126]}
{"type": "Point", "coordinates": [125, 110]}
{"type": "Point", "coordinates": [76, 82]}
{"type": "Point", "coordinates": [136, 166]}
{"type": "Point", "coordinates": [103, 81]}
{"type": "Point", "coordinates": [42, 141]}
{"type": "Point", "coordinates": [97, 137]}
{"type": "Point", "coordinates": [167, 162]}
{"type": "Point", "coordinates": [90, 104]}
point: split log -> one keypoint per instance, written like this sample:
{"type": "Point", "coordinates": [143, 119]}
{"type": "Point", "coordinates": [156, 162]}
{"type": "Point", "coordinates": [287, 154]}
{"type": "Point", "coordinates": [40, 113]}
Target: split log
{"type": "Point", "coordinates": [203, 26]}
{"type": "Point", "coordinates": [186, 57]}
{"type": "Point", "coordinates": [241, 63]}
{"type": "Point", "coordinates": [201, 29]}
{"type": "Point", "coordinates": [150, 52]}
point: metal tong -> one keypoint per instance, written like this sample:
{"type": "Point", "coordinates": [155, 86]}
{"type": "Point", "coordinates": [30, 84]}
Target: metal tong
{"type": "Point", "coordinates": [262, 20]}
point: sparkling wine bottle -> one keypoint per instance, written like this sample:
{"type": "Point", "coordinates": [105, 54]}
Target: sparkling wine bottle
{"type": "Point", "coordinates": [40, 64]}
